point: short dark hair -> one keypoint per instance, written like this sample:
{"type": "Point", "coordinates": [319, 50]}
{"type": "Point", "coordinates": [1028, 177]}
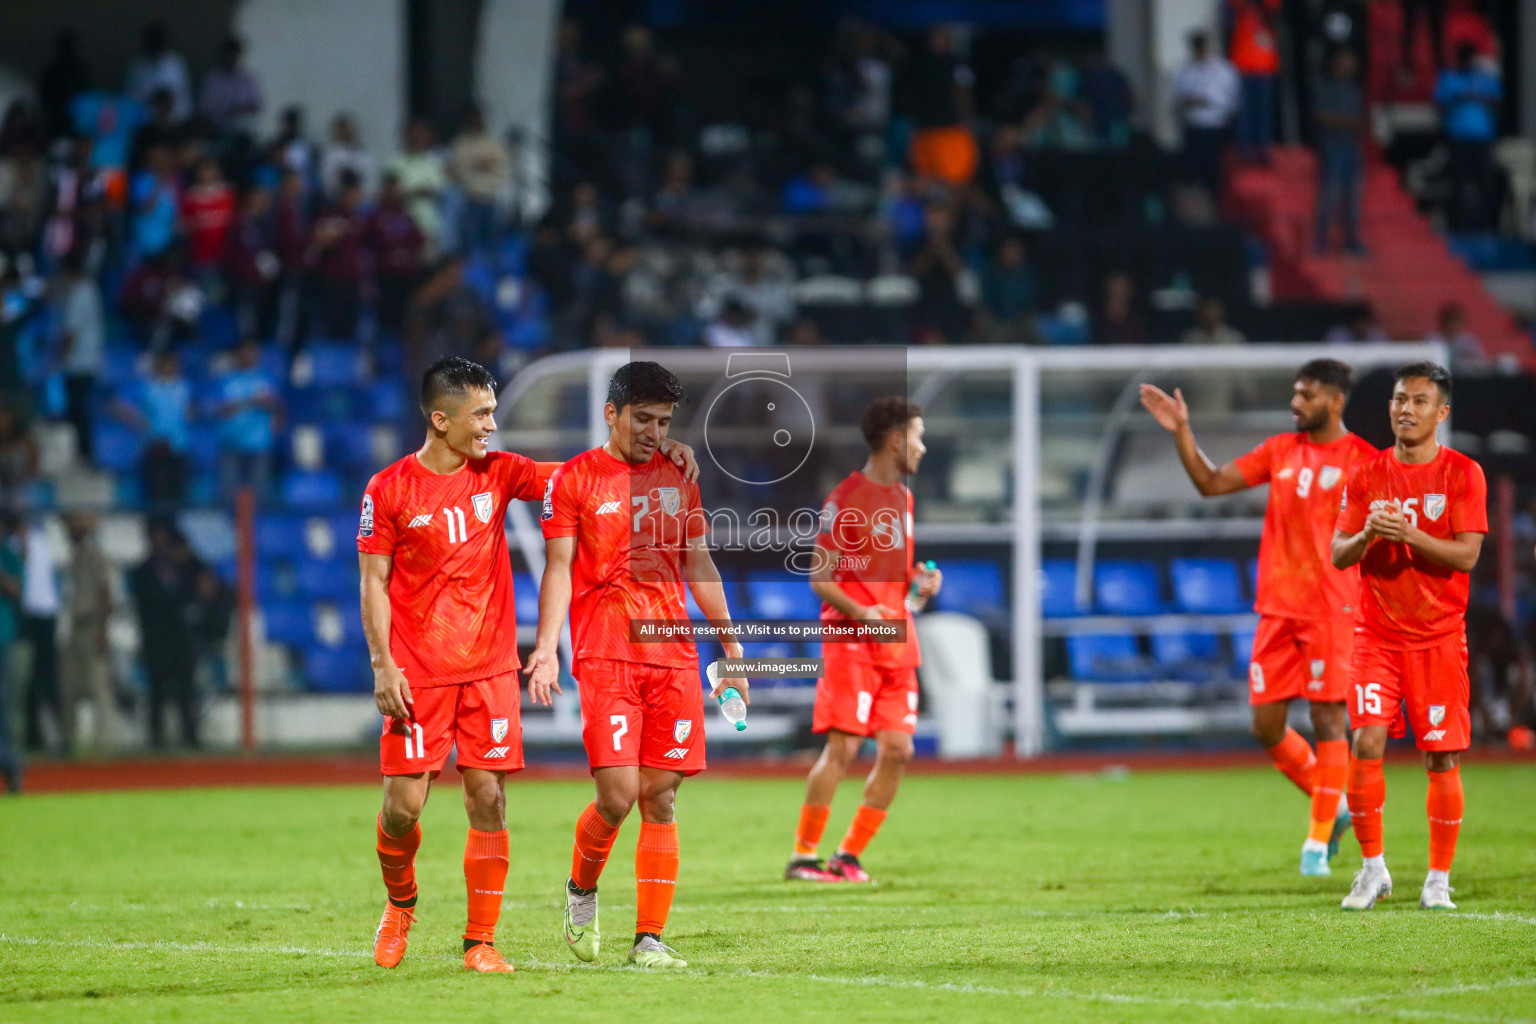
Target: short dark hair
{"type": "Point", "coordinates": [452, 376]}
{"type": "Point", "coordinates": [1429, 371]}
{"type": "Point", "coordinates": [893, 412]}
{"type": "Point", "coordinates": [1330, 373]}
{"type": "Point", "coordinates": [646, 382]}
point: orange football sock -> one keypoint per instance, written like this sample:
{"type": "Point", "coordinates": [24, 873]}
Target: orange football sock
{"type": "Point", "coordinates": [813, 822]}
{"type": "Point", "coordinates": [866, 822]}
{"type": "Point", "coordinates": [485, 876]}
{"type": "Point", "coordinates": [594, 839]}
{"type": "Point", "coordinates": [397, 859]}
{"type": "Point", "coordinates": [1445, 804]}
{"type": "Point", "coordinates": [1328, 781]}
{"type": "Point", "coordinates": [1294, 757]}
{"type": "Point", "coordinates": [656, 861]}
{"type": "Point", "coordinates": [1367, 794]}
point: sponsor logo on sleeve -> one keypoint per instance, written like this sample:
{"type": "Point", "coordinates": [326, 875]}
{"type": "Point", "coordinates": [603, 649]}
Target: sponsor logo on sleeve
{"type": "Point", "coordinates": [1434, 506]}
{"type": "Point", "coordinates": [365, 520]}
{"type": "Point", "coordinates": [483, 505]}
{"type": "Point", "coordinates": [549, 501]}
{"type": "Point", "coordinates": [498, 729]}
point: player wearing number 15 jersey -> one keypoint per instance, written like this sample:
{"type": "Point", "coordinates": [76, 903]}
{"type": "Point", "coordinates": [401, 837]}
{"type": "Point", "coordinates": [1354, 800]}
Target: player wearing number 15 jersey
{"type": "Point", "coordinates": [1413, 519]}
{"type": "Point", "coordinates": [438, 615]}
{"type": "Point", "coordinates": [623, 531]}
{"type": "Point", "coordinates": [1301, 649]}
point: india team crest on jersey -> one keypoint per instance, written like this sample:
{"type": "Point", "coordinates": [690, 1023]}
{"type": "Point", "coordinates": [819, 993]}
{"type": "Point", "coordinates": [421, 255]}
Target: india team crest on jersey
{"type": "Point", "coordinates": [1436, 714]}
{"type": "Point", "coordinates": [498, 729]}
{"type": "Point", "coordinates": [482, 503]}
{"type": "Point", "coordinates": [1434, 508]}
{"type": "Point", "coordinates": [671, 500]}
{"type": "Point", "coordinates": [682, 729]}
{"type": "Point", "coordinates": [1328, 477]}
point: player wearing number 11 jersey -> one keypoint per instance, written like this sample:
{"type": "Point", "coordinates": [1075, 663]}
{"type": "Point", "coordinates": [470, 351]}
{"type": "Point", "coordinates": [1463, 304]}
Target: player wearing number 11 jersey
{"type": "Point", "coordinates": [1301, 649]}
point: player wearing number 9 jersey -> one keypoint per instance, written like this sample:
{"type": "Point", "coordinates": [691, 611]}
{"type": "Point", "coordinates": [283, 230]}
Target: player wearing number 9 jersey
{"type": "Point", "coordinates": [623, 532]}
{"type": "Point", "coordinates": [437, 609]}
{"type": "Point", "coordinates": [1301, 649]}
{"type": "Point", "coordinates": [1413, 519]}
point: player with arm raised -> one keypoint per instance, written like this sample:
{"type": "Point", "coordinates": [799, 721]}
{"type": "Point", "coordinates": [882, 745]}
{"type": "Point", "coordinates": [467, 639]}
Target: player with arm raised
{"type": "Point", "coordinates": [863, 572]}
{"type": "Point", "coordinates": [437, 612]}
{"type": "Point", "coordinates": [1306, 607]}
{"type": "Point", "coordinates": [1413, 520]}
{"type": "Point", "coordinates": [623, 531]}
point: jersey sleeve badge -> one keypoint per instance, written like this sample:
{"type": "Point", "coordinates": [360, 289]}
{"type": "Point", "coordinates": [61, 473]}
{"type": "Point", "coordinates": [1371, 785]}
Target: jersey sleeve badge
{"type": "Point", "coordinates": [365, 520]}
{"type": "Point", "coordinates": [549, 501]}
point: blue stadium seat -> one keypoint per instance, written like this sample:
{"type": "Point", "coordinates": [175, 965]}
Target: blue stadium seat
{"type": "Point", "coordinates": [1206, 586]}
{"type": "Point", "coordinates": [326, 581]}
{"type": "Point", "coordinates": [289, 622]}
{"type": "Point", "coordinates": [973, 588]}
{"type": "Point", "coordinates": [1194, 657]}
{"type": "Point", "coordinates": [1242, 652]}
{"type": "Point", "coordinates": [118, 447]}
{"type": "Point", "coordinates": [1128, 588]}
{"type": "Point", "coordinates": [343, 527]}
{"type": "Point", "coordinates": [1058, 588]}
{"type": "Point", "coordinates": [387, 401]}
{"type": "Point", "coordinates": [318, 489]}
{"type": "Point", "coordinates": [1106, 658]}
{"type": "Point", "coordinates": [219, 326]}
{"type": "Point", "coordinates": [525, 595]}
{"type": "Point", "coordinates": [334, 365]}
{"type": "Point", "coordinates": [772, 595]}
{"type": "Point", "coordinates": [348, 446]}
{"type": "Point", "coordinates": [338, 669]}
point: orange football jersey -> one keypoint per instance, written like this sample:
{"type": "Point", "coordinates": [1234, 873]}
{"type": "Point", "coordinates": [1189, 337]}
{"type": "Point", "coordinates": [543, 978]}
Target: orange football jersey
{"type": "Point", "coordinates": [870, 527]}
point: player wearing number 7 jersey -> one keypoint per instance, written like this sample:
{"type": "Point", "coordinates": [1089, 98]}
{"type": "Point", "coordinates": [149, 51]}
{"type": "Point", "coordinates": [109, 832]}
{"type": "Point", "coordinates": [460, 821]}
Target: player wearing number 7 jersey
{"type": "Point", "coordinates": [437, 612]}
{"type": "Point", "coordinates": [1413, 519]}
{"type": "Point", "coordinates": [1301, 649]}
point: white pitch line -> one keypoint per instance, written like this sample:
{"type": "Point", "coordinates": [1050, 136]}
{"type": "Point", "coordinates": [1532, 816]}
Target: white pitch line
{"type": "Point", "coordinates": [1340, 1005]}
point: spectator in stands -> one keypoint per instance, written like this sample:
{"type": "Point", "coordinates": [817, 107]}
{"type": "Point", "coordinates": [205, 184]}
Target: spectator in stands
{"type": "Point", "coordinates": [23, 181]}
{"type": "Point", "coordinates": [481, 166]}
{"type": "Point", "coordinates": [735, 326]}
{"type": "Point", "coordinates": [231, 96]}
{"type": "Point", "coordinates": [1255, 53]}
{"type": "Point", "coordinates": [1469, 96]}
{"type": "Point", "coordinates": [291, 146]}
{"type": "Point", "coordinates": [336, 256]}
{"type": "Point", "coordinates": [208, 213]}
{"type": "Point", "coordinates": [210, 616]}
{"type": "Point", "coordinates": [397, 245]}
{"type": "Point", "coordinates": [1206, 96]}
{"type": "Point", "coordinates": [1451, 331]}
{"type": "Point", "coordinates": [160, 408]}
{"type": "Point", "coordinates": [62, 79]}
{"type": "Point", "coordinates": [1119, 321]}
{"type": "Point", "coordinates": [85, 673]}
{"type": "Point", "coordinates": [642, 88]}
{"type": "Point", "coordinates": [1361, 329]}
{"type": "Point", "coordinates": [81, 193]}
{"type": "Point", "coordinates": [12, 567]}
{"type": "Point", "coordinates": [1431, 14]}
{"type": "Point", "coordinates": [248, 403]}
{"type": "Point", "coordinates": [1338, 111]}
{"type": "Point", "coordinates": [290, 241]}
{"type": "Point", "coordinates": [803, 333]}
{"type": "Point", "coordinates": [760, 280]}
{"type": "Point", "coordinates": [40, 628]}
{"type": "Point", "coordinates": [1211, 327]}
{"type": "Point", "coordinates": [16, 310]}
{"type": "Point", "coordinates": [82, 347]}
{"type": "Point", "coordinates": [861, 77]}
{"type": "Point", "coordinates": [938, 315]}
{"type": "Point", "coordinates": [156, 203]}
{"type": "Point", "coordinates": [18, 455]}
{"type": "Point", "coordinates": [159, 67]}
{"type": "Point", "coordinates": [252, 268]}
{"type": "Point", "coordinates": [163, 587]}
{"type": "Point", "coordinates": [447, 317]}
{"type": "Point", "coordinates": [344, 153]}
{"type": "Point", "coordinates": [110, 122]}
{"type": "Point", "coordinates": [1061, 119]}
{"type": "Point", "coordinates": [160, 128]}
{"type": "Point", "coordinates": [157, 301]}
{"type": "Point", "coordinates": [937, 86]}
{"type": "Point", "coordinates": [1008, 294]}
{"type": "Point", "coordinates": [1107, 93]}
{"type": "Point", "coordinates": [422, 178]}
{"type": "Point", "coordinates": [578, 84]}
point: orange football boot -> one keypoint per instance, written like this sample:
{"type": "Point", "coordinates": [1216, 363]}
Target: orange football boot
{"type": "Point", "coordinates": [389, 940]}
{"type": "Point", "coordinates": [486, 959]}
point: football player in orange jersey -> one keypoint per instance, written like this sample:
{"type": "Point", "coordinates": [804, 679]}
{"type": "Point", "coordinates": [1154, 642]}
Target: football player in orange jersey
{"type": "Point", "coordinates": [868, 688]}
{"type": "Point", "coordinates": [1301, 649]}
{"type": "Point", "coordinates": [437, 612]}
{"type": "Point", "coordinates": [623, 532]}
{"type": "Point", "coordinates": [1413, 520]}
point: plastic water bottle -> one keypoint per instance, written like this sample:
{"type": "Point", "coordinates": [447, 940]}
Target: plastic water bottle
{"type": "Point", "coordinates": [912, 601]}
{"type": "Point", "coordinates": [732, 706]}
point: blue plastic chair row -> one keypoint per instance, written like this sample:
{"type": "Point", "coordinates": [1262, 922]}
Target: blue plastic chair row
{"type": "Point", "coordinates": [1187, 656]}
{"type": "Point", "coordinates": [1200, 586]}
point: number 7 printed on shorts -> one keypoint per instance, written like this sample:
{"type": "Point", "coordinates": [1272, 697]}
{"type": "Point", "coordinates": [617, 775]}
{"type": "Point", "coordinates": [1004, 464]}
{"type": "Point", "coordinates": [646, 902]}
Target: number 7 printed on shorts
{"type": "Point", "coordinates": [620, 729]}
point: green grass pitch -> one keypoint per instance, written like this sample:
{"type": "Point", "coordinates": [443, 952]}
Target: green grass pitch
{"type": "Point", "coordinates": [1165, 897]}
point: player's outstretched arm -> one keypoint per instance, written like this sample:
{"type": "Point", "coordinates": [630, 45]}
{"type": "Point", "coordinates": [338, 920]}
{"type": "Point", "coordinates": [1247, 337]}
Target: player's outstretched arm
{"type": "Point", "coordinates": [1172, 414]}
{"type": "Point", "coordinates": [543, 668]}
{"type": "Point", "coordinates": [709, 593]}
{"type": "Point", "coordinates": [391, 692]}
